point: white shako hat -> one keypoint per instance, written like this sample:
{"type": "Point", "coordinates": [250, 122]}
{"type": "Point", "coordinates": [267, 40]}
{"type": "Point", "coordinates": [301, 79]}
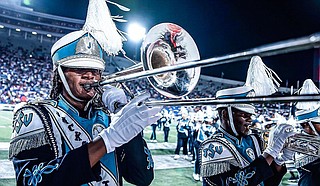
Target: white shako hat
{"type": "Point", "coordinates": [260, 81]}
{"type": "Point", "coordinates": [85, 48]}
{"type": "Point", "coordinates": [308, 111]}
{"type": "Point", "coordinates": [237, 92]}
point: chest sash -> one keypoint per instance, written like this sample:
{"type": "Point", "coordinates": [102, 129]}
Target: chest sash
{"type": "Point", "coordinates": [70, 134]}
{"type": "Point", "coordinates": [218, 153]}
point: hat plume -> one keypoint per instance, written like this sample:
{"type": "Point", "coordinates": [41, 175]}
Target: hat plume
{"type": "Point", "coordinates": [308, 87]}
{"type": "Point", "coordinates": [261, 78]}
{"type": "Point", "coordinates": [100, 25]}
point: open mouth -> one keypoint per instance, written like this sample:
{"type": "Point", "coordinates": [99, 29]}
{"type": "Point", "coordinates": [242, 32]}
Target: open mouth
{"type": "Point", "coordinates": [87, 86]}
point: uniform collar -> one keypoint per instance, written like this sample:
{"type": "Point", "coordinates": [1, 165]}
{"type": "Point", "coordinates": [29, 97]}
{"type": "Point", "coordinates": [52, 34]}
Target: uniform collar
{"type": "Point", "coordinates": [67, 106]}
{"type": "Point", "coordinates": [231, 137]}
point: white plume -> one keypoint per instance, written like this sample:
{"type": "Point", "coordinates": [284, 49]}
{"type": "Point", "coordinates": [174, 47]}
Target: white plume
{"type": "Point", "coordinates": [261, 78]}
{"type": "Point", "coordinates": [308, 87]}
{"type": "Point", "coordinates": [100, 25]}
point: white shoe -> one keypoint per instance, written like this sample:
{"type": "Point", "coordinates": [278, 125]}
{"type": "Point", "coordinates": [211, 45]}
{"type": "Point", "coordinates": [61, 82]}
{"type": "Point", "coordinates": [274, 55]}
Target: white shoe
{"type": "Point", "coordinates": [196, 177]}
{"type": "Point", "coordinates": [185, 157]}
{"type": "Point", "coordinates": [193, 161]}
{"type": "Point", "coordinates": [176, 157]}
{"type": "Point", "coordinates": [201, 179]}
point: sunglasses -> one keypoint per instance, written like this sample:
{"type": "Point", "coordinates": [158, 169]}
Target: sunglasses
{"type": "Point", "coordinates": [81, 71]}
{"type": "Point", "coordinates": [242, 114]}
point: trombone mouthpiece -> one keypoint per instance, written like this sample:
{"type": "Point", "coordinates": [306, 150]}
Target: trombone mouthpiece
{"type": "Point", "coordinates": [89, 86]}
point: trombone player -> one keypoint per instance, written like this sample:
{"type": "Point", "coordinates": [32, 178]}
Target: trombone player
{"type": "Point", "coordinates": [308, 116]}
{"type": "Point", "coordinates": [72, 138]}
{"type": "Point", "coordinates": [233, 156]}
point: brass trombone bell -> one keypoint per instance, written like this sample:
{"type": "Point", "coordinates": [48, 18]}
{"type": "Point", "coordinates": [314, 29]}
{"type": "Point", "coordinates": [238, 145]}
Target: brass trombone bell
{"type": "Point", "coordinates": [165, 45]}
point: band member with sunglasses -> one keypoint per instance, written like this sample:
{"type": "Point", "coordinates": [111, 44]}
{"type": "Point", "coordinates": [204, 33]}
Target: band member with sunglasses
{"type": "Point", "coordinates": [234, 155]}
{"type": "Point", "coordinates": [78, 136]}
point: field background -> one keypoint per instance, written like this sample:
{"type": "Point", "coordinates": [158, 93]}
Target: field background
{"type": "Point", "coordinates": [167, 177]}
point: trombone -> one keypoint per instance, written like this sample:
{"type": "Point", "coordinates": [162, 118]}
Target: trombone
{"type": "Point", "coordinates": [171, 63]}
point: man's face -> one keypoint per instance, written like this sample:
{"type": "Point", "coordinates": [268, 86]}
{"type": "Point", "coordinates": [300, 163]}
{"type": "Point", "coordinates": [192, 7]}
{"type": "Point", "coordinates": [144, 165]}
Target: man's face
{"type": "Point", "coordinates": [306, 127]}
{"type": "Point", "coordinates": [242, 121]}
{"type": "Point", "coordinates": [76, 78]}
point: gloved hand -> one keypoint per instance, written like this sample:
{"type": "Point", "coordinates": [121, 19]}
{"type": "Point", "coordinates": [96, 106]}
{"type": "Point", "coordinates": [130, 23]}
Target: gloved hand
{"type": "Point", "coordinates": [129, 122]}
{"type": "Point", "coordinates": [285, 156]}
{"type": "Point", "coordinates": [277, 138]}
{"type": "Point", "coordinates": [113, 98]}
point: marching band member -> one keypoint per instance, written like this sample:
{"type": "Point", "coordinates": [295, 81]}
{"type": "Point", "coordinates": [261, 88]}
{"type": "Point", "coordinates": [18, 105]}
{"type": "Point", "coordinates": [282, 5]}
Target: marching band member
{"type": "Point", "coordinates": [199, 136]}
{"type": "Point", "coordinates": [182, 134]}
{"type": "Point", "coordinates": [308, 116]}
{"type": "Point", "coordinates": [233, 156]}
{"type": "Point", "coordinates": [71, 138]}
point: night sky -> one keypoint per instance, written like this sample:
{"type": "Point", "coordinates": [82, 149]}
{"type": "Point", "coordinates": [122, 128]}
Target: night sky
{"type": "Point", "coordinates": [221, 27]}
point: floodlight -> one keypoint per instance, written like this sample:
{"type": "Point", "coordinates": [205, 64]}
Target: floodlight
{"type": "Point", "coordinates": [136, 32]}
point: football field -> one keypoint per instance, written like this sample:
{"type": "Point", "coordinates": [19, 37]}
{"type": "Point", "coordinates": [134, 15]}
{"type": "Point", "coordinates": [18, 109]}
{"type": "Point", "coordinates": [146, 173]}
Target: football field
{"type": "Point", "coordinates": [173, 176]}
{"type": "Point", "coordinates": [5, 125]}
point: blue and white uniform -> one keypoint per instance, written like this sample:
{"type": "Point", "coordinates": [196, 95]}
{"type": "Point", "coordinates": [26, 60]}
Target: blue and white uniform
{"type": "Point", "coordinates": [49, 147]}
{"type": "Point", "coordinates": [225, 160]}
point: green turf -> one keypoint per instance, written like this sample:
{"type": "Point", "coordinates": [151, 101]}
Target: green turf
{"type": "Point", "coordinates": [5, 126]}
{"type": "Point", "coordinates": [162, 151]}
{"type": "Point", "coordinates": [7, 182]}
{"type": "Point", "coordinates": [160, 136]}
{"type": "Point", "coordinates": [3, 154]}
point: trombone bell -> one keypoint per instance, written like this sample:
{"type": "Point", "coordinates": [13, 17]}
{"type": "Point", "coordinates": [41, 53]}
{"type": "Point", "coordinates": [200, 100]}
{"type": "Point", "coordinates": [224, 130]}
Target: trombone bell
{"type": "Point", "coordinates": [168, 44]}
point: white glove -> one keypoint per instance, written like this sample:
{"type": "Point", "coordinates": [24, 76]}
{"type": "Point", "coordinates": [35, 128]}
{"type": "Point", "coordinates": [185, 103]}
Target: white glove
{"type": "Point", "coordinates": [129, 122]}
{"type": "Point", "coordinates": [113, 98]}
{"type": "Point", "coordinates": [277, 138]}
{"type": "Point", "coordinates": [285, 156]}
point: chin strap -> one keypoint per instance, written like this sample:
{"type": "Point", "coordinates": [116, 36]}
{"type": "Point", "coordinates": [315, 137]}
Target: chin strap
{"type": "Point", "coordinates": [312, 127]}
{"type": "Point", "coordinates": [231, 121]}
{"type": "Point", "coordinates": [65, 84]}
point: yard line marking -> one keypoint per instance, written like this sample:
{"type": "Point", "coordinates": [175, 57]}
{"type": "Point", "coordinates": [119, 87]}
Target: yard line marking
{"type": "Point", "coordinates": [5, 118]}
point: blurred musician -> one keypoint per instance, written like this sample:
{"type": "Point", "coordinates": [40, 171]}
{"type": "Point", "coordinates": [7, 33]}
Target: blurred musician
{"type": "Point", "coordinates": [182, 134]}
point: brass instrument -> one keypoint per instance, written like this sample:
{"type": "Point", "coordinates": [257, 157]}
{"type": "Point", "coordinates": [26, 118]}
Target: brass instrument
{"type": "Point", "coordinates": [304, 144]}
{"type": "Point", "coordinates": [170, 60]}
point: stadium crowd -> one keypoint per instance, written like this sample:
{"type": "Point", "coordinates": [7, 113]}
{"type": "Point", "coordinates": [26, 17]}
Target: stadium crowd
{"type": "Point", "coordinates": [26, 75]}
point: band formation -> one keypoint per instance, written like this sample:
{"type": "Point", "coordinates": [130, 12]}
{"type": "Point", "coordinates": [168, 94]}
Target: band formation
{"type": "Point", "coordinates": [93, 135]}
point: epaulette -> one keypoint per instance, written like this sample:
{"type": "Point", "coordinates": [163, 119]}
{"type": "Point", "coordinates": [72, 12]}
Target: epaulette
{"type": "Point", "coordinates": [217, 154]}
{"type": "Point", "coordinates": [31, 128]}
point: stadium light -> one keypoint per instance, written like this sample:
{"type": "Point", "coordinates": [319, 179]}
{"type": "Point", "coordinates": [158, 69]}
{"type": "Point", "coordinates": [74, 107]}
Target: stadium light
{"type": "Point", "coordinates": [1, 26]}
{"type": "Point", "coordinates": [34, 33]}
{"type": "Point", "coordinates": [136, 32]}
{"type": "Point", "coordinates": [27, 2]}
{"type": "Point", "coordinates": [18, 29]}
{"type": "Point", "coordinates": [49, 35]}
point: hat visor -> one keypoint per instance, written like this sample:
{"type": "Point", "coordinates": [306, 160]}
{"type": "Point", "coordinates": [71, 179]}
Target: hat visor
{"type": "Point", "coordinates": [83, 61]}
